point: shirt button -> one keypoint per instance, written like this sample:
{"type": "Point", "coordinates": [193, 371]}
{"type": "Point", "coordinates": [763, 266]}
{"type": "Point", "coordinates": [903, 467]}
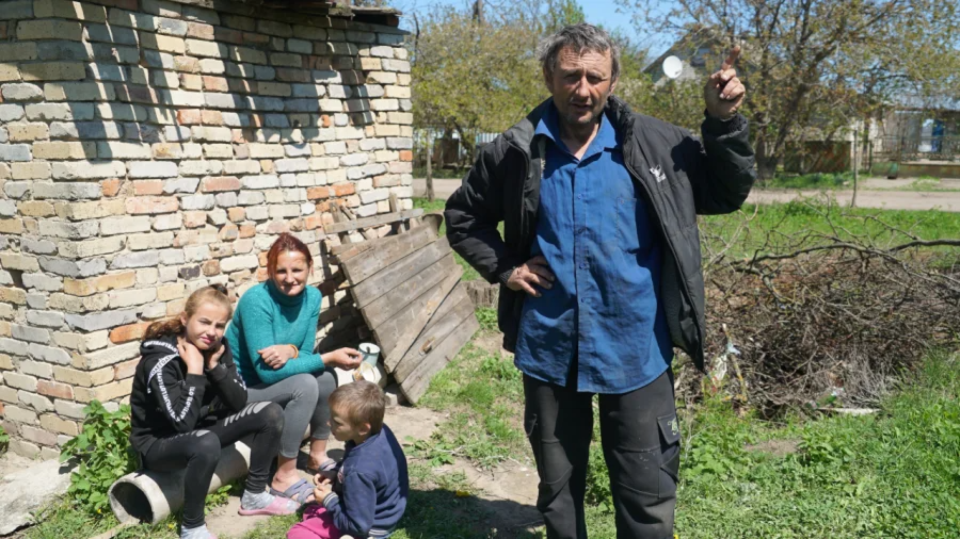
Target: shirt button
{"type": "Point", "coordinates": [579, 197]}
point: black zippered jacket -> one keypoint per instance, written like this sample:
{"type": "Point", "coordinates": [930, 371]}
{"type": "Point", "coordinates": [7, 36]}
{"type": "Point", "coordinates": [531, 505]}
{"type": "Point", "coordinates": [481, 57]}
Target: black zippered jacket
{"type": "Point", "coordinates": [681, 176]}
{"type": "Point", "coordinates": [166, 400]}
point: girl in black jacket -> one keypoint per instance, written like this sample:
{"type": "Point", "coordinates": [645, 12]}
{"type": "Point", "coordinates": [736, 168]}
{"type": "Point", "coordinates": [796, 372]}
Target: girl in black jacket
{"type": "Point", "coordinates": [188, 402]}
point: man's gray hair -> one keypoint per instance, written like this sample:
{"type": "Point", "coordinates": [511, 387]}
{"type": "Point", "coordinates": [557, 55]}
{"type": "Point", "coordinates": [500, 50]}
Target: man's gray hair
{"type": "Point", "coordinates": [580, 37]}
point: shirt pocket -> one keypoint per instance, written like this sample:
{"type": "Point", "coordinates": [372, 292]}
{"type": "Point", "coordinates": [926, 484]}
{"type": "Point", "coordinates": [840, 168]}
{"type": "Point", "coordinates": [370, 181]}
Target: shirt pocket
{"type": "Point", "coordinates": [626, 234]}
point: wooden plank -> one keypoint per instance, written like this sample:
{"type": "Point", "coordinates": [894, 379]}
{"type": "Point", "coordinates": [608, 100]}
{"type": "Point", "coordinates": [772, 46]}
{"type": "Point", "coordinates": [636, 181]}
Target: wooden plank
{"type": "Point", "coordinates": [458, 307]}
{"type": "Point", "coordinates": [393, 248]}
{"type": "Point", "coordinates": [420, 317]}
{"type": "Point", "coordinates": [389, 304]}
{"type": "Point", "coordinates": [376, 220]}
{"type": "Point", "coordinates": [416, 383]}
{"type": "Point", "coordinates": [399, 272]}
{"type": "Point", "coordinates": [345, 252]}
{"type": "Point", "coordinates": [390, 332]}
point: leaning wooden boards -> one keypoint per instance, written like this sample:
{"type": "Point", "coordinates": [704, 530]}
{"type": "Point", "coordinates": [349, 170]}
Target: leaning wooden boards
{"type": "Point", "coordinates": [407, 287]}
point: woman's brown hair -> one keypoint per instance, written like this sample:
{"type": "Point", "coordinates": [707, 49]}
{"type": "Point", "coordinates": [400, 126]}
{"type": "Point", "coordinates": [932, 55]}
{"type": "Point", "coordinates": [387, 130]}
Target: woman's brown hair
{"type": "Point", "coordinates": [286, 242]}
{"type": "Point", "coordinates": [173, 326]}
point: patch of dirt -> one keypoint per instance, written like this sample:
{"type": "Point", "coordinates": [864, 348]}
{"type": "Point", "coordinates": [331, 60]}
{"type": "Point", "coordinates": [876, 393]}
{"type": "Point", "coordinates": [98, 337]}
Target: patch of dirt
{"type": "Point", "coordinates": [777, 448]}
{"type": "Point", "coordinates": [511, 481]}
{"type": "Point", "coordinates": [491, 342]}
{"type": "Point", "coordinates": [11, 462]}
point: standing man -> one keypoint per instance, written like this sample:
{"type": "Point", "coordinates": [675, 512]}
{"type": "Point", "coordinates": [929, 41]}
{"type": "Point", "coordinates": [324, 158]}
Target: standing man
{"type": "Point", "coordinates": [600, 273]}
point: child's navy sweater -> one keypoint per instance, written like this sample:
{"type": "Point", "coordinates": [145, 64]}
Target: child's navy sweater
{"type": "Point", "coordinates": [370, 493]}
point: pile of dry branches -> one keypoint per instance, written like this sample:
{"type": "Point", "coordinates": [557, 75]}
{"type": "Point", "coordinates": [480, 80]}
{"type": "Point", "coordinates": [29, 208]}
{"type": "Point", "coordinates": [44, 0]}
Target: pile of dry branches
{"type": "Point", "coordinates": [824, 317]}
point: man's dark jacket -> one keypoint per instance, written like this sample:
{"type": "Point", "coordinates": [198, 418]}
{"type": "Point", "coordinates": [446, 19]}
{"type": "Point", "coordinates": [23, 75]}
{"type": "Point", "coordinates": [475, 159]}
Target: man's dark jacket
{"type": "Point", "coordinates": [679, 175]}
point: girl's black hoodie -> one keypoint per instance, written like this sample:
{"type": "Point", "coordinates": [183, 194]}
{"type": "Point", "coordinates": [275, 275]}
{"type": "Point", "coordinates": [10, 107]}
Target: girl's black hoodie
{"type": "Point", "coordinates": [167, 401]}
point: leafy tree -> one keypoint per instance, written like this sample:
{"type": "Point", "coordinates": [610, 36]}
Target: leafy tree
{"type": "Point", "coordinates": [814, 65]}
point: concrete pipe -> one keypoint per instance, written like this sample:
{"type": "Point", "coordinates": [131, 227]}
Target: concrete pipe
{"type": "Point", "coordinates": [151, 497]}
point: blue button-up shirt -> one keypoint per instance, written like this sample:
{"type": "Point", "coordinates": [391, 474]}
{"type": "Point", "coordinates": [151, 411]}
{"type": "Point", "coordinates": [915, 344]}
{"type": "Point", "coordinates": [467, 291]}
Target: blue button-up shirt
{"type": "Point", "coordinates": [601, 324]}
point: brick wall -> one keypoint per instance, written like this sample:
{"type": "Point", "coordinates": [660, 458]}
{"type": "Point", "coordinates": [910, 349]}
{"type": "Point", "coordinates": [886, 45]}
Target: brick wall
{"type": "Point", "coordinates": [148, 148]}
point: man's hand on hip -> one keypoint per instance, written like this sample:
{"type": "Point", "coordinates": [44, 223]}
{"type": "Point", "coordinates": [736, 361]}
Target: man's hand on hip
{"type": "Point", "coordinates": [530, 276]}
{"type": "Point", "coordinates": [724, 92]}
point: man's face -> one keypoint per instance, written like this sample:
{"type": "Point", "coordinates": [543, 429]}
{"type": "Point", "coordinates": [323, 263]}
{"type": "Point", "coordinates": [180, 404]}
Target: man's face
{"type": "Point", "coordinates": [580, 85]}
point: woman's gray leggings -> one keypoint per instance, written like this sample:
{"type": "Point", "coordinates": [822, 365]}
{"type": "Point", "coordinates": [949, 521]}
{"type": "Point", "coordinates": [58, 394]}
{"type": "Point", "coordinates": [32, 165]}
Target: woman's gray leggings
{"type": "Point", "coordinates": [304, 400]}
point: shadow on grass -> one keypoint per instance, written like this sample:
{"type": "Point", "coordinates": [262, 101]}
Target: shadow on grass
{"type": "Point", "coordinates": [440, 513]}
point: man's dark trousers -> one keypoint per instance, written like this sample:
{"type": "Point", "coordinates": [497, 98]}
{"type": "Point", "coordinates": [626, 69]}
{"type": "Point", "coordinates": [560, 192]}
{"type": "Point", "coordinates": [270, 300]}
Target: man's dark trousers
{"type": "Point", "coordinates": [641, 445]}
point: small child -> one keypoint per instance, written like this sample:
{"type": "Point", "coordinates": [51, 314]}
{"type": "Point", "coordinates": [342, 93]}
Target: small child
{"type": "Point", "coordinates": [368, 493]}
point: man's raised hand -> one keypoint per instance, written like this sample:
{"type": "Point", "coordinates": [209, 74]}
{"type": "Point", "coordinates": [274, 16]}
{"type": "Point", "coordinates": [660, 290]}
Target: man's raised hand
{"type": "Point", "coordinates": [724, 92]}
{"type": "Point", "coordinates": [531, 276]}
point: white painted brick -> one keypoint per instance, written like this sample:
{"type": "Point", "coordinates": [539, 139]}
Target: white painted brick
{"type": "Point", "coordinates": [88, 170]}
{"type": "Point", "coordinates": [151, 169]}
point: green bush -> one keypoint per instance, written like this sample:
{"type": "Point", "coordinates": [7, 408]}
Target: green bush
{"type": "Point", "coordinates": [104, 453]}
{"type": "Point", "coordinates": [4, 441]}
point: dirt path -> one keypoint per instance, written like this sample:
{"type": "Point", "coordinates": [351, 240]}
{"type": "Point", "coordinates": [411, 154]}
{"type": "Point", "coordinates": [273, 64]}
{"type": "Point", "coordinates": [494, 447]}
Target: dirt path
{"type": "Point", "coordinates": [880, 194]}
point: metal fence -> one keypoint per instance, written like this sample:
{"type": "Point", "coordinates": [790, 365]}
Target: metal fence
{"type": "Point", "coordinates": [918, 148]}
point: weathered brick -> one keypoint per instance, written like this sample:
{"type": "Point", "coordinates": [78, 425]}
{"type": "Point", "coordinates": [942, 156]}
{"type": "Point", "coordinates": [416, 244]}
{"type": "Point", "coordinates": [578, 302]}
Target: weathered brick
{"type": "Point", "coordinates": [53, 423]}
{"type": "Point", "coordinates": [20, 415]}
{"type": "Point", "coordinates": [151, 205]}
{"type": "Point", "coordinates": [20, 381]}
{"type": "Point", "coordinates": [52, 71]}
{"type": "Point", "coordinates": [82, 378]}
{"type": "Point", "coordinates": [129, 298]}
{"type": "Point", "coordinates": [87, 170]}
{"type": "Point", "coordinates": [31, 30]}
{"type": "Point", "coordinates": [50, 388]}
{"type": "Point", "coordinates": [106, 392]}
{"type": "Point", "coordinates": [125, 369]}
{"type": "Point", "coordinates": [214, 184]}
{"type": "Point", "coordinates": [33, 401]}
{"type": "Point", "coordinates": [39, 436]}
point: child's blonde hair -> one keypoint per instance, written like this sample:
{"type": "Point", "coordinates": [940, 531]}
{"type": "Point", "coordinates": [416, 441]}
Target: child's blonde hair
{"type": "Point", "coordinates": [173, 326]}
{"type": "Point", "coordinates": [362, 402]}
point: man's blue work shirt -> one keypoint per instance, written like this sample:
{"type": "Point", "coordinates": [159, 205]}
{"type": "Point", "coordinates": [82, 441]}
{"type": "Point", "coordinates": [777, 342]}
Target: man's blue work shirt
{"type": "Point", "coordinates": [601, 324]}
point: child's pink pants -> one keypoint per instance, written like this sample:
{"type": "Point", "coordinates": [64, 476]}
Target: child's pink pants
{"type": "Point", "coordinates": [317, 524]}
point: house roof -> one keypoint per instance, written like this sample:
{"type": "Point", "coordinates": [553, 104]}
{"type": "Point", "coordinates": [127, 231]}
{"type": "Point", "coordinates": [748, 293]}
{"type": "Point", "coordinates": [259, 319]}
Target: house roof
{"type": "Point", "coordinates": [919, 102]}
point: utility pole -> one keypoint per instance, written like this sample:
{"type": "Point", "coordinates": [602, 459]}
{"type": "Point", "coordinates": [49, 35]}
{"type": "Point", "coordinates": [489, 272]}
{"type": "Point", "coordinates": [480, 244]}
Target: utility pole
{"type": "Point", "coordinates": [430, 194]}
{"type": "Point", "coordinates": [856, 164]}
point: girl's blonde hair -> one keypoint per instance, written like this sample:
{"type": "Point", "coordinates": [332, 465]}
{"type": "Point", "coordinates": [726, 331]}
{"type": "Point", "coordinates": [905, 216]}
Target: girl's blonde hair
{"type": "Point", "coordinates": [173, 326]}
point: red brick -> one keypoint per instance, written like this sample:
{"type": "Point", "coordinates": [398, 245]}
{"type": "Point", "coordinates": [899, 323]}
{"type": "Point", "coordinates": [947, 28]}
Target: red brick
{"type": "Point", "coordinates": [131, 332]}
{"type": "Point", "coordinates": [211, 268]}
{"type": "Point", "coordinates": [236, 214]}
{"type": "Point", "coordinates": [262, 274]}
{"type": "Point", "coordinates": [150, 205]}
{"type": "Point", "coordinates": [406, 155]}
{"type": "Point", "coordinates": [318, 62]}
{"type": "Point", "coordinates": [344, 189]}
{"type": "Point", "coordinates": [186, 64]}
{"type": "Point", "coordinates": [312, 222]}
{"type": "Point", "coordinates": [263, 259]}
{"type": "Point", "coordinates": [194, 219]}
{"type": "Point", "coordinates": [213, 184]}
{"type": "Point", "coordinates": [211, 117]}
{"type": "Point", "coordinates": [4, 33]}
{"type": "Point", "coordinates": [188, 117]}
{"type": "Point", "coordinates": [125, 369]}
{"type": "Point", "coordinates": [54, 389]}
{"type": "Point", "coordinates": [215, 84]}
{"type": "Point", "coordinates": [148, 187]}
{"type": "Point", "coordinates": [327, 121]}
{"type": "Point", "coordinates": [110, 188]}
{"type": "Point", "coordinates": [175, 307]}
{"type": "Point", "coordinates": [248, 231]}
{"type": "Point", "coordinates": [318, 193]}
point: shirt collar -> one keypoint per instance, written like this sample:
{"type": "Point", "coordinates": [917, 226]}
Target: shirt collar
{"type": "Point", "coordinates": [549, 126]}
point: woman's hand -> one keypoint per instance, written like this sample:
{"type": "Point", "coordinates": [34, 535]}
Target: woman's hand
{"type": "Point", "coordinates": [214, 358]}
{"type": "Point", "coordinates": [191, 355]}
{"type": "Point", "coordinates": [345, 358]}
{"type": "Point", "coordinates": [278, 355]}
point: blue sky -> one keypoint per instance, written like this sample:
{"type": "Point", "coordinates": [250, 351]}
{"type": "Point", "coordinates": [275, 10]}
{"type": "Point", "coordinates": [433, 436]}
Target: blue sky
{"type": "Point", "coordinates": [597, 11]}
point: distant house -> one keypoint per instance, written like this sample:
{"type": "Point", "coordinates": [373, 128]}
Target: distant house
{"type": "Point", "coordinates": [701, 52]}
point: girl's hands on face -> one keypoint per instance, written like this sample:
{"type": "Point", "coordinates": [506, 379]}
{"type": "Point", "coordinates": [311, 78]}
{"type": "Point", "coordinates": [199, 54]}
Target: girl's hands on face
{"type": "Point", "coordinates": [191, 355]}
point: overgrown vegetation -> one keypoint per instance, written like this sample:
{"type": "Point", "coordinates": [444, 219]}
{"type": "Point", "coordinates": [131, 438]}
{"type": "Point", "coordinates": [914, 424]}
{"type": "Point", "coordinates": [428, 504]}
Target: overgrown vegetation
{"type": "Point", "coordinates": [4, 441]}
{"type": "Point", "coordinates": [103, 451]}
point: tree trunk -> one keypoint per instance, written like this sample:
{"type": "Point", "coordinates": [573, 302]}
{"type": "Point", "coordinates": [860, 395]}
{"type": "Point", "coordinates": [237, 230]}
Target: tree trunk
{"type": "Point", "coordinates": [856, 168]}
{"type": "Point", "coordinates": [766, 164]}
{"type": "Point", "coordinates": [430, 193]}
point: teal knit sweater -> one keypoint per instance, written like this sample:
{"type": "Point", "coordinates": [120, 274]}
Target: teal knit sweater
{"type": "Point", "coordinates": [265, 317]}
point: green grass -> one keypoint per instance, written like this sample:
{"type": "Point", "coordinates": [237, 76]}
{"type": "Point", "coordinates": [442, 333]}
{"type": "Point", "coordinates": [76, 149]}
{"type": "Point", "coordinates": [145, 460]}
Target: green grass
{"type": "Point", "coordinates": [750, 229]}
{"type": "Point", "coordinates": [893, 474]}
{"type": "Point", "coordinates": [817, 181]}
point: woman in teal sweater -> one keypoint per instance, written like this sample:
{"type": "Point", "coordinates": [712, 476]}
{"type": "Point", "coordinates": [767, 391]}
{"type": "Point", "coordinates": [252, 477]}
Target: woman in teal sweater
{"type": "Point", "coordinates": [272, 338]}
